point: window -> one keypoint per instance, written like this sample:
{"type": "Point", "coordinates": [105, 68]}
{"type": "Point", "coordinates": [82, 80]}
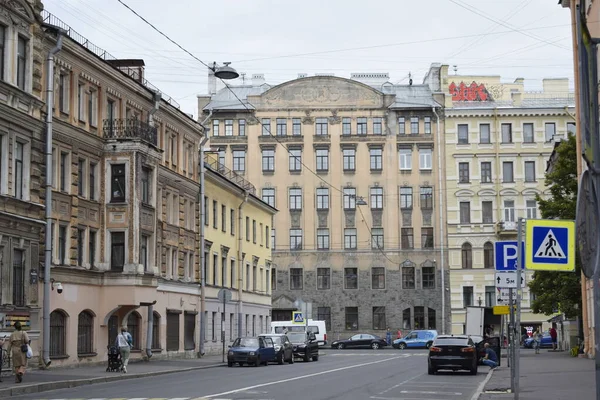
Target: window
{"type": "Point", "coordinates": [323, 239]}
{"type": "Point", "coordinates": [487, 213]}
{"type": "Point", "coordinates": [64, 168]}
{"type": "Point", "coordinates": [281, 126]}
{"type": "Point", "coordinates": [509, 211]}
{"type": "Point", "coordinates": [351, 318]}
{"type": "Point", "coordinates": [117, 183]}
{"type": "Point", "coordinates": [22, 44]}
{"type": "Point", "coordinates": [321, 127]}
{"type": "Point", "coordinates": [349, 159]}
{"type": "Point", "coordinates": [507, 172]}
{"type": "Point", "coordinates": [405, 156]}
{"type": "Point", "coordinates": [80, 245]}
{"type": "Point", "coordinates": [484, 134]}
{"type": "Point", "coordinates": [528, 133]}
{"type": "Point", "coordinates": [268, 160]}
{"type": "Point", "coordinates": [239, 161]}
{"type": "Point", "coordinates": [361, 126]}
{"type": "Point", "coordinates": [174, 149]}
{"type": "Point", "coordinates": [253, 231]}
{"type": "Point", "coordinates": [376, 198]}
{"type": "Point", "coordinates": [571, 128]}
{"type": "Point", "coordinates": [427, 122]}
{"type": "Point", "coordinates": [81, 101]}
{"type": "Point", "coordinates": [58, 334]}
{"type": "Point", "coordinates": [414, 125]}
{"type": "Point", "coordinates": [427, 238]}
{"type": "Point", "coordinates": [92, 248]}
{"type": "Point", "coordinates": [215, 215]}
{"type": "Point", "coordinates": [242, 127]}
{"type": "Point", "coordinates": [273, 279]}
{"type": "Point", "coordinates": [531, 206]}
{"type": "Point", "coordinates": [216, 127]}
{"type": "Point", "coordinates": [85, 333]}
{"type": "Point", "coordinates": [350, 238]}
{"type": "Point", "coordinates": [224, 271]}
{"type": "Point", "coordinates": [81, 177]}
{"type": "Point", "coordinates": [62, 245]}
{"type": "Point", "coordinates": [173, 331]}
{"type": "Point", "coordinates": [146, 173]}
{"type": "Point", "coordinates": [401, 126]}
{"type": "Point", "coordinates": [155, 331]}
{"type": "Point", "coordinates": [465, 212]}
{"type": "Point", "coordinates": [466, 253]}
{"type": "Point", "coordinates": [248, 228]}
{"type": "Point", "coordinates": [377, 238]}
{"type": "Point", "coordinates": [295, 198]}
{"type": "Point", "coordinates": [296, 280]}
{"type": "Point", "coordinates": [377, 126]}
{"type": "Point", "coordinates": [133, 327]}
{"type": "Point", "coordinates": [425, 159]}
{"type": "Point", "coordinates": [530, 171]}
{"type": "Point", "coordinates": [268, 196]}
{"type": "Point", "coordinates": [408, 277]}
{"type": "Point", "coordinates": [346, 126]}
{"type": "Point", "coordinates": [550, 131]}
{"type": "Point", "coordinates": [296, 127]}
{"type": "Point", "coordinates": [376, 157]}
{"type": "Point", "coordinates": [426, 197]}
{"type": "Point", "coordinates": [223, 218]}
{"type": "Point", "coordinates": [322, 156]}
{"type": "Point", "coordinates": [378, 278]}
{"type": "Point", "coordinates": [379, 318]}
{"type": "Point", "coordinates": [228, 127]}
{"type": "Point", "coordinates": [117, 251]}
{"type": "Point", "coordinates": [407, 238]}
{"type": "Point", "coordinates": [406, 199]}
{"type": "Point", "coordinates": [506, 133]}
{"type": "Point", "coordinates": [463, 134]}
{"type": "Point", "coordinates": [18, 278]}
{"type": "Point", "coordinates": [206, 214]}
{"type": "Point", "coordinates": [428, 277]}
{"type": "Point", "coordinates": [267, 236]}
{"type": "Point", "coordinates": [295, 160]}
{"type": "Point", "coordinates": [349, 198]}
{"type": "Point", "coordinates": [144, 252]}
{"type": "Point", "coordinates": [323, 278]}
{"type": "Point", "coordinates": [322, 198]}
{"type": "Point", "coordinates": [295, 239]}
{"type": "Point", "coordinates": [19, 175]}
{"type": "Point", "coordinates": [350, 278]}
{"type": "Point", "coordinates": [63, 88]}
{"type": "Point", "coordinates": [490, 293]}
{"type": "Point", "coordinates": [324, 314]}
{"type": "Point", "coordinates": [93, 108]}
{"type": "Point", "coordinates": [467, 296]}
{"type": "Point", "coordinates": [266, 126]}
{"type": "Point", "coordinates": [2, 50]}
{"type": "Point", "coordinates": [221, 155]}
{"type": "Point", "coordinates": [463, 172]}
{"type": "Point", "coordinates": [488, 255]}
{"type": "Point", "coordinates": [486, 172]}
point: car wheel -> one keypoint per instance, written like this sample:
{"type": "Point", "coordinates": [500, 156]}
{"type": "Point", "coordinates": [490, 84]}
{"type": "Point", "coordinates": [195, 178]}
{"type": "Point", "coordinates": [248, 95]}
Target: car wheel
{"type": "Point", "coordinates": [258, 362]}
{"type": "Point", "coordinates": [315, 358]}
{"type": "Point", "coordinates": [431, 370]}
{"type": "Point", "coordinates": [374, 345]}
{"type": "Point", "coordinates": [291, 360]}
{"type": "Point", "coordinates": [306, 357]}
{"type": "Point", "coordinates": [229, 364]}
{"type": "Point", "coordinates": [402, 346]}
{"type": "Point", "coordinates": [340, 346]}
{"type": "Point", "coordinates": [473, 371]}
{"type": "Point", "coordinates": [280, 358]}
{"type": "Point", "coordinates": [428, 345]}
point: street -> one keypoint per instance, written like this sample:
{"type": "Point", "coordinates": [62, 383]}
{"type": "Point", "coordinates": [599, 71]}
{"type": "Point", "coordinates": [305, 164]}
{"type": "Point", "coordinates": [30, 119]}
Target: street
{"type": "Point", "coordinates": [340, 374]}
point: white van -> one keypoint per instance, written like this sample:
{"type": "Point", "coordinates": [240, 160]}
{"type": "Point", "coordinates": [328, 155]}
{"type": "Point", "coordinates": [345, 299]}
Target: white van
{"type": "Point", "coordinates": [317, 327]}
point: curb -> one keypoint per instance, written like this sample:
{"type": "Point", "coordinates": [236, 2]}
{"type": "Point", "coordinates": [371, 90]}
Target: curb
{"type": "Point", "coordinates": [46, 386]}
{"type": "Point", "coordinates": [480, 388]}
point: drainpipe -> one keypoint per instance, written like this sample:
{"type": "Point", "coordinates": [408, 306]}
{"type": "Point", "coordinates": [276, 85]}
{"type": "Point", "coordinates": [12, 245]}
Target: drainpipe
{"type": "Point", "coordinates": [241, 264]}
{"type": "Point", "coordinates": [48, 244]}
{"type": "Point", "coordinates": [441, 218]}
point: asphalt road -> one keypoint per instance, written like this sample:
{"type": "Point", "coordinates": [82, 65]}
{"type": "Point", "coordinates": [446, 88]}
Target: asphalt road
{"type": "Point", "coordinates": [339, 374]}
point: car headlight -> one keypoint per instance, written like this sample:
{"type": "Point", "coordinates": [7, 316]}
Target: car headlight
{"type": "Point", "coordinates": [230, 353]}
{"type": "Point", "coordinates": [252, 353]}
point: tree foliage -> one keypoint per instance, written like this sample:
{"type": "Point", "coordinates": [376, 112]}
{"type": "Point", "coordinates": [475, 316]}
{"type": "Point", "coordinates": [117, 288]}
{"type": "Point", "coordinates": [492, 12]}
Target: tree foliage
{"type": "Point", "coordinates": [559, 290]}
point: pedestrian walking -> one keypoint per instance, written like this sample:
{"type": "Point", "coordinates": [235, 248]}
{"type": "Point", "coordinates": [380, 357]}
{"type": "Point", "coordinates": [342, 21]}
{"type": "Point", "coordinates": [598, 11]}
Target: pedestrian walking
{"type": "Point", "coordinates": [2, 340]}
{"type": "Point", "coordinates": [537, 340]}
{"type": "Point", "coordinates": [490, 359]}
{"type": "Point", "coordinates": [17, 345]}
{"type": "Point", "coordinates": [388, 337]}
{"type": "Point", "coordinates": [554, 336]}
{"type": "Point", "coordinates": [124, 343]}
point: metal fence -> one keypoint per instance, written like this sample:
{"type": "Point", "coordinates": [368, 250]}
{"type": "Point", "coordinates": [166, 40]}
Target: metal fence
{"type": "Point", "coordinates": [216, 166]}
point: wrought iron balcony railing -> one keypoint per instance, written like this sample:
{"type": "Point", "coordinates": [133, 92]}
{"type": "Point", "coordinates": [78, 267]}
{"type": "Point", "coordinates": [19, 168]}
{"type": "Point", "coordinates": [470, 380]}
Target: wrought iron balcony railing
{"type": "Point", "coordinates": [216, 166]}
{"type": "Point", "coordinates": [130, 128]}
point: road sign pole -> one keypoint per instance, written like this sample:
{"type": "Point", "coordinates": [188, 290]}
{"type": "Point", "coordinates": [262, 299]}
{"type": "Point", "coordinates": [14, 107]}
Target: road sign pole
{"type": "Point", "coordinates": [511, 340]}
{"type": "Point", "coordinates": [223, 327]}
{"type": "Point", "coordinates": [596, 283]}
{"type": "Point", "coordinates": [520, 264]}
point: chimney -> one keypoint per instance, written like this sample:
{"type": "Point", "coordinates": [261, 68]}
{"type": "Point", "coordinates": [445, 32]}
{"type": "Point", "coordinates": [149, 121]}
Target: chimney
{"type": "Point", "coordinates": [203, 101]}
{"type": "Point", "coordinates": [258, 79]}
{"type": "Point", "coordinates": [302, 75]}
{"type": "Point", "coordinates": [517, 99]}
{"type": "Point", "coordinates": [212, 81]}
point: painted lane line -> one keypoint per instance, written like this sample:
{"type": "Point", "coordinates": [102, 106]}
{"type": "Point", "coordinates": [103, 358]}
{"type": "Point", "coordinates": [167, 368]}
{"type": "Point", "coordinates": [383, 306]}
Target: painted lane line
{"type": "Point", "coordinates": [212, 396]}
{"type": "Point", "coordinates": [428, 392]}
{"type": "Point", "coordinates": [403, 398]}
{"type": "Point", "coordinates": [400, 384]}
{"type": "Point", "coordinates": [482, 385]}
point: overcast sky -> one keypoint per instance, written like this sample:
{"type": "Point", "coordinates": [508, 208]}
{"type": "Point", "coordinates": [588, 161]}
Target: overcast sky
{"type": "Point", "coordinates": [281, 38]}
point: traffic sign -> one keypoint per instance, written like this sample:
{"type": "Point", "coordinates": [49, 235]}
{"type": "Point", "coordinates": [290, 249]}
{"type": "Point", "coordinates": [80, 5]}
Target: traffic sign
{"type": "Point", "coordinates": [503, 296]}
{"type": "Point", "coordinates": [508, 279]}
{"type": "Point", "coordinates": [501, 310]}
{"type": "Point", "coordinates": [298, 318]}
{"type": "Point", "coordinates": [506, 255]}
{"type": "Point", "coordinates": [550, 245]}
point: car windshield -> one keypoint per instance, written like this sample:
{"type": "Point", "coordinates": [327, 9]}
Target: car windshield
{"type": "Point", "coordinates": [297, 337]}
{"type": "Point", "coordinates": [246, 342]}
{"type": "Point", "coordinates": [276, 339]}
{"type": "Point", "coordinates": [451, 342]}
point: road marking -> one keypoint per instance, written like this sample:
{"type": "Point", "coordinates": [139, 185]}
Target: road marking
{"type": "Point", "coordinates": [482, 385]}
{"type": "Point", "coordinates": [428, 392]}
{"type": "Point", "coordinates": [212, 396]}
{"type": "Point", "coordinates": [400, 384]}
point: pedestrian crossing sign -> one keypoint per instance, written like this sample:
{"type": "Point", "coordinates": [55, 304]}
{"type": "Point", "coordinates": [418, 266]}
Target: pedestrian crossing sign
{"type": "Point", "coordinates": [550, 245]}
{"type": "Point", "coordinates": [298, 318]}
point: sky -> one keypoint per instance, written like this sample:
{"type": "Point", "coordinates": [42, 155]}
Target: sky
{"type": "Point", "coordinates": [282, 38]}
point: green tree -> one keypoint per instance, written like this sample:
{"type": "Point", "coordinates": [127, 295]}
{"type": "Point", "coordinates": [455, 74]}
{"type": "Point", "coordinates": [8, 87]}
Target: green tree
{"type": "Point", "coordinates": [559, 290]}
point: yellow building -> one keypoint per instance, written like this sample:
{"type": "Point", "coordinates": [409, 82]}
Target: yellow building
{"type": "Point", "coordinates": [498, 140]}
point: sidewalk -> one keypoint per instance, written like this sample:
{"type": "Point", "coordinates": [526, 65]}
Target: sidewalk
{"type": "Point", "coordinates": [545, 376]}
{"type": "Point", "coordinates": [37, 380]}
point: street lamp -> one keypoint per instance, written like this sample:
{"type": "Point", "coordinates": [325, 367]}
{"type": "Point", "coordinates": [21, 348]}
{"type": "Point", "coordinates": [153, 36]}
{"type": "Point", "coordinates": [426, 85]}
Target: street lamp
{"type": "Point", "coordinates": [224, 72]}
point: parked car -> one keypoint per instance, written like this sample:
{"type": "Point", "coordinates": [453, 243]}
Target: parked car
{"type": "Point", "coordinates": [546, 341]}
{"type": "Point", "coordinates": [452, 352]}
{"type": "Point", "coordinates": [364, 340]}
{"type": "Point", "coordinates": [416, 339]}
{"type": "Point", "coordinates": [283, 348]}
{"type": "Point", "coordinates": [305, 345]}
{"type": "Point", "coordinates": [252, 351]}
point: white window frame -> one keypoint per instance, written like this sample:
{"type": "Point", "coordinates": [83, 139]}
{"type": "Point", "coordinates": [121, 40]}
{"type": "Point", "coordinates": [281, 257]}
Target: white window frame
{"type": "Point", "coordinates": [25, 189]}
{"type": "Point", "coordinates": [425, 159]}
{"type": "Point", "coordinates": [405, 159]}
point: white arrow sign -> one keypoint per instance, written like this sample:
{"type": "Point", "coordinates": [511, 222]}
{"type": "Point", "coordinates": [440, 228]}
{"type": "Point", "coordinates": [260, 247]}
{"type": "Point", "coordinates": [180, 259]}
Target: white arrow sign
{"type": "Point", "coordinates": [508, 279]}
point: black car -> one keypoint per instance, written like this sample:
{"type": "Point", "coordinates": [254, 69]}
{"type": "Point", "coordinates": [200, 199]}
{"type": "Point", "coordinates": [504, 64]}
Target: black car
{"type": "Point", "coordinates": [283, 347]}
{"type": "Point", "coordinates": [305, 345]}
{"type": "Point", "coordinates": [455, 352]}
{"type": "Point", "coordinates": [360, 340]}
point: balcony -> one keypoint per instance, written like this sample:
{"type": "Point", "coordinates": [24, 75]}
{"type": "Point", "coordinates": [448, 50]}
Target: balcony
{"type": "Point", "coordinates": [506, 228]}
{"type": "Point", "coordinates": [216, 166]}
{"type": "Point", "coordinates": [130, 128]}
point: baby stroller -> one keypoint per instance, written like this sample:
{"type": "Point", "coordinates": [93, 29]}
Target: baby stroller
{"type": "Point", "coordinates": [114, 359]}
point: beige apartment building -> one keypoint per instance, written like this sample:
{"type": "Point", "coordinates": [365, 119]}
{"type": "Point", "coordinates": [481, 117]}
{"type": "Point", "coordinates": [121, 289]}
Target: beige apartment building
{"type": "Point", "coordinates": [498, 140]}
{"type": "Point", "coordinates": [353, 167]}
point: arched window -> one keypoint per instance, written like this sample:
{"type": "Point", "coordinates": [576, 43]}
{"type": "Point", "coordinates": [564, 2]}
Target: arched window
{"type": "Point", "coordinates": [58, 333]}
{"type": "Point", "coordinates": [156, 331]}
{"type": "Point", "coordinates": [467, 256]}
{"type": "Point", "coordinates": [488, 255]}
{"type": "Point", "coordinates": [85, 333]}
{"type": "Point", "coordinates": [133, 327]}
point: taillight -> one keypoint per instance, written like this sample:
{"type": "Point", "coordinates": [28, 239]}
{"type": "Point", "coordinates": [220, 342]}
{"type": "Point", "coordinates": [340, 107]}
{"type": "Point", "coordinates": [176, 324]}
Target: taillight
{"type": "Point", "coordinates": [325, 337]}
{"type": "Point", "coordinates": [435, 349]}
{"type": "Point", "coordinates": [468, 350]}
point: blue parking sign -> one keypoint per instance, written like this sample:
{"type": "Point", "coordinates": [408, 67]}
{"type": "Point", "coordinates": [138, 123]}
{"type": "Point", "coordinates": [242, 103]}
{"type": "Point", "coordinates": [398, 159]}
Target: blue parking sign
{"type": "Point", "coordinates": [506, 256]}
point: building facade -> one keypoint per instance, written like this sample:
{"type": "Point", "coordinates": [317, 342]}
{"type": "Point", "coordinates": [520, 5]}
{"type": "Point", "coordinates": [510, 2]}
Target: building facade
{"type": "Point", "coordinates": [498, 140]}
{"type": "Point", "coordinates": [352, 165]}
